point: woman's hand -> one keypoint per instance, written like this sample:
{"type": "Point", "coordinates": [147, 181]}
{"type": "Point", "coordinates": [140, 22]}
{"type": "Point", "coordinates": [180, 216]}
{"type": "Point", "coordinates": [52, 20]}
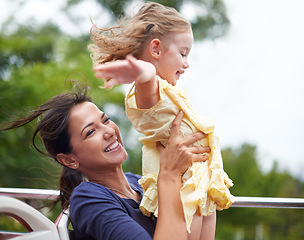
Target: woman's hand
{"type": "Point", "coordinates": [178, 156]}
{"type": "Point", "coordinates": [175, 159]}
{"type": "Point", "coordinates": [125, 71]}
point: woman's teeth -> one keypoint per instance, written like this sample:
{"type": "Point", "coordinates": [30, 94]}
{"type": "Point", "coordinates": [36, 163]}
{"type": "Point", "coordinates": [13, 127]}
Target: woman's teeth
{"type": "Point", "coordinates": [112, 146]}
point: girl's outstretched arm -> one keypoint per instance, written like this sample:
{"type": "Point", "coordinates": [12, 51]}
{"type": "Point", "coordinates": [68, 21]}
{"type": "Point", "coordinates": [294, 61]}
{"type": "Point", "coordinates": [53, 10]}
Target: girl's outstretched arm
{"type": "Point", "coordinates": [132, 70]}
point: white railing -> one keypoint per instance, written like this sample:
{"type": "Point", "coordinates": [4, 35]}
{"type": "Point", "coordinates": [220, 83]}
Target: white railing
{"type": "Point", "coordinates": [30, 193]}
{"type": "Point", "coordinates": [268, 202]}
{"type": "Point", "coordinates": [255, 202]}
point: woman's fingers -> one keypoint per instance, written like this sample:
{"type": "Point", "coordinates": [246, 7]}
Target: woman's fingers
{"type": "Point", "coordinates": [160, 147]}
{"type": "Point", "coordinates": [199, 158]}
{"type": "Point", "coordinates": [199, 153]}
{"type": "Point", "coordinates": [199, 150]}
{"type": "Point", "coordinates": [174, 132]}
{"type": "Point", "coordinates": [188, 140]}
{"type": "Point", "coordinates": [192, 138]}
{"type": "Point", "coordinates": [177, 156]}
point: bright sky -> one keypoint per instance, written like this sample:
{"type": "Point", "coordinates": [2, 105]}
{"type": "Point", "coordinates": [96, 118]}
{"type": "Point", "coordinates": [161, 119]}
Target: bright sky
{"type": "Point", "coordinates": [251, 81]}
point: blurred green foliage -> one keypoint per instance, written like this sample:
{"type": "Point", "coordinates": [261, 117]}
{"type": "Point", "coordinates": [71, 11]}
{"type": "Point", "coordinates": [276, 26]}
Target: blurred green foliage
{"type": "Point", "coordinates": [36, 63]}
{"type": "Point", "coordinates": [36, 68]}
{"type": "Point", "coordinates": [250, 180]}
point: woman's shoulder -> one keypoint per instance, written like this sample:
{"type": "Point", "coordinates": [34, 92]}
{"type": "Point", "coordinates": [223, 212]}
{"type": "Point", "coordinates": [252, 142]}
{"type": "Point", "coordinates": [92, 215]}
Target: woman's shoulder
{"type": "Point", "coordinates": [89, 185]}
{"type": "Point", "coordinates": [92, 189]}
{"type": "Point", "coordinates": [87, 190]}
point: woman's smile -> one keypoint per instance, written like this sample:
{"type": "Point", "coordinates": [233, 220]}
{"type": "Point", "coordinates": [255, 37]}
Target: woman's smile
{"type": "Point", "coordinates": [113, 147]}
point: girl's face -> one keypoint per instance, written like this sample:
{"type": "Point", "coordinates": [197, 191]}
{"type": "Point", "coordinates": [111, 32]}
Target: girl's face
{"type": "Point", "coordinates": [173, 57]}
{"type": "Point", "coordinates": [95, 140]}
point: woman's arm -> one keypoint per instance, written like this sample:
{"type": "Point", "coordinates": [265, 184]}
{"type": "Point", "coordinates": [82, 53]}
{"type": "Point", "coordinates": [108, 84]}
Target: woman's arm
{"type": "Point", "coordinates": [175, 160]}
{"type": "Point", "coordinates": [128, 71]}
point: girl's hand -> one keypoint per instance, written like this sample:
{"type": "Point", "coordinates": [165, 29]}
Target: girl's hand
{"type": "Point", "coordinates": [125, 71]}
{"type": "Point", "coordinates": [178, 156]}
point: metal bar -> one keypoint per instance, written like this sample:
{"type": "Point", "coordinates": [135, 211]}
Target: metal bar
{"type": "Point", "coordinates": [29, 193]}
{"type": "Point", "coordinates": [252, 202]}
{"type": "Point", "coordinates": [268, 202]}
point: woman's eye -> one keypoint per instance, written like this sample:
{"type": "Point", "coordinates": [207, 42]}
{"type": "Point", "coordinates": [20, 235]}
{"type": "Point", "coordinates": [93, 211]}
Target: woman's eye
{"type": "Point", "coordinates": [106, 120]}
{"type": "Point", "coordinates": [90, 132]}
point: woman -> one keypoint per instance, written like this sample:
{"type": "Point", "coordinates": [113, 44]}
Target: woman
{"type": "Point", "coordinates": [88, 145]}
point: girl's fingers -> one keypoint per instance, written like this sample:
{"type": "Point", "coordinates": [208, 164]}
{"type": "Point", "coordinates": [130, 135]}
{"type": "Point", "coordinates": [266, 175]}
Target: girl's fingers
{"type": "Point", "coordinates": [134, 65]}
{"type": "Point", "coordinates": [99, 67]}
{"type": "Point", "coordinates": [105, 75]}
{"type": "Point", "coordinates": [131, 59]}
{"type": "Point", "coordinates": [110, 66]}
{"type": "Point", "coordinates": [111, 83]}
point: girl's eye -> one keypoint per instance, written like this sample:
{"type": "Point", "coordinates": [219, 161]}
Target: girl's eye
{"type": "Point", "coordinates": [89, 132]}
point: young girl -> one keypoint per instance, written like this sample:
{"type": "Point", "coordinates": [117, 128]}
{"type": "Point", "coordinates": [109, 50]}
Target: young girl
{"type": "Point", "coordinates": [161, 39]}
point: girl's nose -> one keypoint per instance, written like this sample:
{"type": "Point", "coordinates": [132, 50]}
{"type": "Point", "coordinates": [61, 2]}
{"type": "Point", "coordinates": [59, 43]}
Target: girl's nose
{"type": "Point", "coordinates": [186, 64]}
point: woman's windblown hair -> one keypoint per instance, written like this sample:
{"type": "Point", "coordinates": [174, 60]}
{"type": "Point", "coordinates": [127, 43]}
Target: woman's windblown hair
{"type": "Point", "coordinates": [52, 125]}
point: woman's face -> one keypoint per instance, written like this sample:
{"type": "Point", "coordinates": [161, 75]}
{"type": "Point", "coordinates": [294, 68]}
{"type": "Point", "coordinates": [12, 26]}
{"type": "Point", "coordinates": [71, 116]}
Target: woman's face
{"type": "Point", "coordinates": [95, 140]}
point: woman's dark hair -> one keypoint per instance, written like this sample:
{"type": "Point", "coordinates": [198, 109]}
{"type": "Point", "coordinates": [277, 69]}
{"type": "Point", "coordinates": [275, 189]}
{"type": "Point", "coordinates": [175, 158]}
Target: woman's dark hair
{"type": "Point", "coordinates": [53, 119]}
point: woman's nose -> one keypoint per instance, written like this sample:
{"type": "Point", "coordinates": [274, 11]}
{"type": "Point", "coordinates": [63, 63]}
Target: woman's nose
{"type": "Point", "coordinates": [109, 132]}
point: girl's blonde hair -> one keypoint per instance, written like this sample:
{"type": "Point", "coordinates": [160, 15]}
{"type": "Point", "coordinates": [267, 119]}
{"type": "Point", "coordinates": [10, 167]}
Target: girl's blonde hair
{"type": "Point", "coordinates": [153, 20]}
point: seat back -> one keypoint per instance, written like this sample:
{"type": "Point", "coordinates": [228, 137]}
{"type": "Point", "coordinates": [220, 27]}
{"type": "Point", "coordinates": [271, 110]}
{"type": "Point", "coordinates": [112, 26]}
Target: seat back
{"type": "Point", "coordinates": [40, 227]}
{"type": "Point", "coordinates": [62, 224]}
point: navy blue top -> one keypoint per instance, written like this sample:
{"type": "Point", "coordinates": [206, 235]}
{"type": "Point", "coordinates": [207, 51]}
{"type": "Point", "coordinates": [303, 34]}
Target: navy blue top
{"type": "Point", "coordinates": [98, 213]}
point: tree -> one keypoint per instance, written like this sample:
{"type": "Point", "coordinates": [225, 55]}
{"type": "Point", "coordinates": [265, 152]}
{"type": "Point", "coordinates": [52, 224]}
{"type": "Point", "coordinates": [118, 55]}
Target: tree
{"type": "Point", "coordinates": [36, 64]}
{"type": "Point", "coordinates": [243, 168]}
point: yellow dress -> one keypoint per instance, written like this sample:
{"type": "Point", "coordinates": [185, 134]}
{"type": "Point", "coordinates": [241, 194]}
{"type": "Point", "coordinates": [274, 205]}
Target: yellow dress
{"type": "Point", "coordinates": [205, 184]}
